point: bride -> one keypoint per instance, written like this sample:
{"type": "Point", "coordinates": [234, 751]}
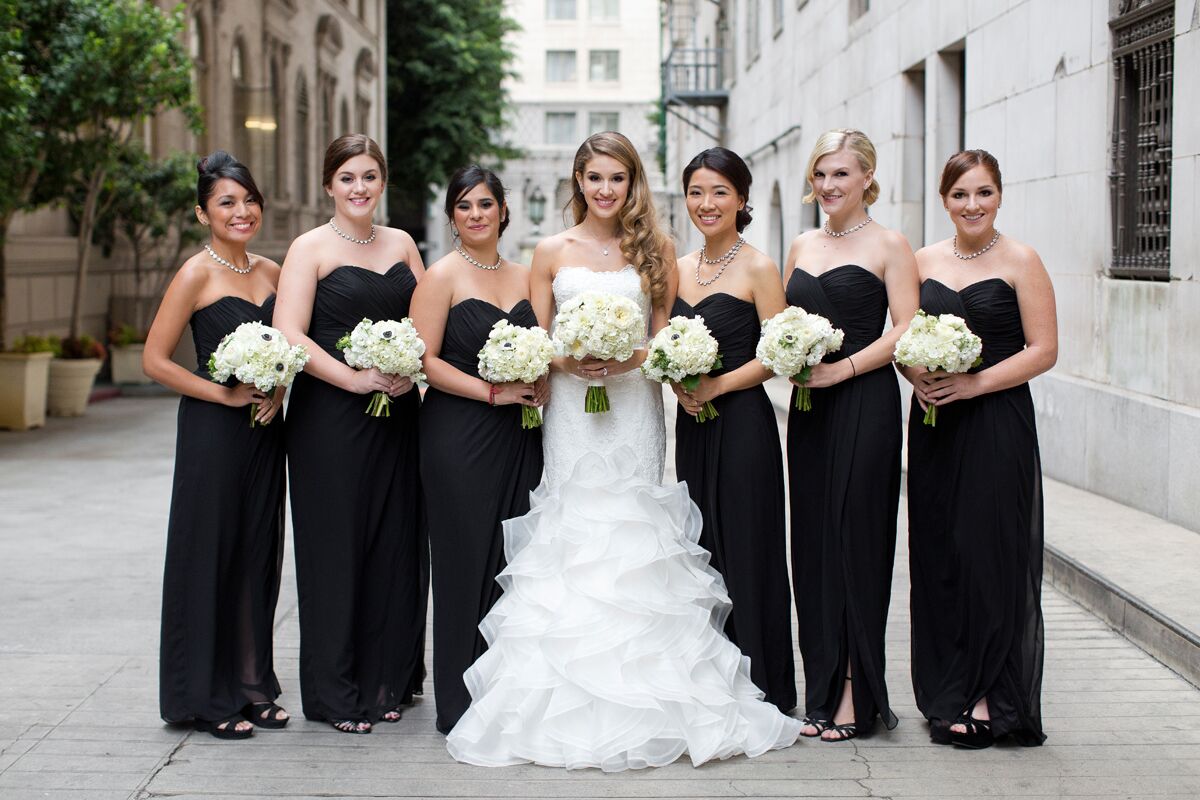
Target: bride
{"type": "Point", "coordinates": [606, 648]}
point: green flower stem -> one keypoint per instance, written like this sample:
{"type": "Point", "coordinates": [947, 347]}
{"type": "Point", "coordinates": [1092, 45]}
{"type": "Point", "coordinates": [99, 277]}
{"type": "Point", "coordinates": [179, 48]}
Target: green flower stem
{"type": "Point", "coordinates": [530, 418]}
{"type": "Point", "coordinates": [931, 415]}
{"type": "Point", "coordinates": [596, 401]}
{"type": "Point", "coordinates": [803, 393]}
{"type": "Point", "coordinates": [380, 405]}
{"type": "Point", "coordinates": [707, 412]}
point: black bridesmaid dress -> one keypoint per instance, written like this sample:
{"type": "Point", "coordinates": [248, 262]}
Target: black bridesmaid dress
{"type": "Point", "coordinates": [477, 469]}
{"type": "Point", "coordinates": [361, 553]}
{"type": "Point", "coordinates": [734, 472]}
{"type": "Point", "coordinates": [975, 535]}
{"type": "Point", "coordinates": [844, 477]}
{"type": "Point", "coordinates": [224, 545]}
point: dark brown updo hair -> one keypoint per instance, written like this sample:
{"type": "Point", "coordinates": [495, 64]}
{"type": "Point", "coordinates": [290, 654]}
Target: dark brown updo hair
{"type": "Point", "coordinates": [467, 178]}
{"type": "Point", "coordinates": [217, 165]}
{"type": "Point", "coordinates": [962, 162]}
{"type": "Point", "coordinates": [344, 148]}
{"type": "Point", "coordinates": [731, 167]}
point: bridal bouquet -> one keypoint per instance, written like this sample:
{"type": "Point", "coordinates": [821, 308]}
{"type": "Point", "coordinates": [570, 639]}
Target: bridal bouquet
{"type": "Point", "coordinates": [393, 348]}
{"type": "Point", "coordinates": [513, 353]}
{"type": "Point", "coordinates": [604, 326]}
{"type": "Point", "coordinates": [682, 352]}
{"type": "Point", "coordinates": [943, 342]}
{"type": "Point", "coordinates": [258, 354]}
{"type": "Point", "coordinates": [792, 342]}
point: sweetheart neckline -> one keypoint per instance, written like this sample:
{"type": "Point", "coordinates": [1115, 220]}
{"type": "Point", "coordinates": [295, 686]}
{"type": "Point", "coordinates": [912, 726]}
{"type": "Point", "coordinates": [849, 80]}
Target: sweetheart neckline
{"type": "Point", "coordinates": [235, 297]}
{"type": "Point", "coordinates": [493, 305]}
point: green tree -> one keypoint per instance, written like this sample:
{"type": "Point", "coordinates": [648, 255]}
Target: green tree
{"type": "Point", "coordinates": [100, 67]}
{"type": "Point", "coordinates": [447, 61]}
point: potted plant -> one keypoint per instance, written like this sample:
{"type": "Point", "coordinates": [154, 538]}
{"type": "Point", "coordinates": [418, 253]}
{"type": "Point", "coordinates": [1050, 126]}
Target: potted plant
{"type": "Point", "coordinates": [24, 372]}
{"type": "Point", "coordinates": [72, 374]}
{"type": "Point", "coordinates": [126, 344]}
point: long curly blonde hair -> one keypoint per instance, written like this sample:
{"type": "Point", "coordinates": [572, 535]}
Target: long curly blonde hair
{"type": "Point", "coordinates": [643, 240]}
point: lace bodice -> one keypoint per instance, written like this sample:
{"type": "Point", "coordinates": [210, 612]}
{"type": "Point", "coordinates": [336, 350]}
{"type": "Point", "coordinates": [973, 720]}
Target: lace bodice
{"type": "Point", "coordinates": [635, 419]}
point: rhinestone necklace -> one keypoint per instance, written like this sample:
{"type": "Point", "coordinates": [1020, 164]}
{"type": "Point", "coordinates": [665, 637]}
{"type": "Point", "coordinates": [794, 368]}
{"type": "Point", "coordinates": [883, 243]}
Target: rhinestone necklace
{"type": "Point", "coordinates": [989, 246]}
{"type": "Point", "coordinates": [481, 265]}
{"type": "Point", "coordinates": [848, 231]}
{"type": "Point", "coordinates": [230, 264]}
{"type": "Point", "coordinates": [350, 238]}
{"type": "Point", "coordinates": [724, 261]}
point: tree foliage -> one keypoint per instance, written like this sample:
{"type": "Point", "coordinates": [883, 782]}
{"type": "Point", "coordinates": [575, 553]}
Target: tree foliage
{"type": "Point", "coordinates": [447, 62]}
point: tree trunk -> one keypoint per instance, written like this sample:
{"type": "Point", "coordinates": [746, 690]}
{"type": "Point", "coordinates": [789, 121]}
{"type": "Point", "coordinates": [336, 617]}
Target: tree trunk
{"type": "Point", "coordinates": [83, 249]}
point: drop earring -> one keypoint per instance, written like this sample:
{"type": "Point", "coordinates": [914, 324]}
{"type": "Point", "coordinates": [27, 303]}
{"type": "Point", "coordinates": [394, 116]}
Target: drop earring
{"type": "Point", "coordinates": [454, 231]}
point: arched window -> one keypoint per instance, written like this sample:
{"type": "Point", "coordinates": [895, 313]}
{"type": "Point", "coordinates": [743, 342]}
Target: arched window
{"type": "Point", "coordinates": [303, 176]}
{"type": "Point", "coordinates": [273, 133]}
{"type": "Point", "coordinates": [776, 234]}
{"type": "Point", "coordinates": [345, 119]}
{"type": "Point", "coordinates": [241, 103]}
{"type": "Point", "coordinates": [198, 49]}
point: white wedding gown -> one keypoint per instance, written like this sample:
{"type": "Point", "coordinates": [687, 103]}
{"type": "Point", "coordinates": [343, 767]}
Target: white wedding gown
{"type": "Point", "coordinates": [606, 649]}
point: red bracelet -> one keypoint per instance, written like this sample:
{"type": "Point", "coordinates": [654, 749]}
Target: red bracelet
{"type": "Point", "coordinates": [493, 390]}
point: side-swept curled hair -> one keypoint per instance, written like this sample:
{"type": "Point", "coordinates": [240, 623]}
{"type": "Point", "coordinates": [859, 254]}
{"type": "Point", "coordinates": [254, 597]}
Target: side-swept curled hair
{"type": "Point", "coordinates": [730, 166]}
{"type": "Point", "coordinates": [467, 178]}
{"type": "Point", "coordinates": [346, 147]}
{"type": "Point", "coordinates": [835, 141]}
{"type": "Point", "coordinates": [961, 162]}
{"type": "Point", "coordinates": [217, 165]}
{"type": "Point", "coordinates": [642, 238]}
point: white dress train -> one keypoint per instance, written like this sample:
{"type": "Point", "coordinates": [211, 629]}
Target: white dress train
{"type": "Point", "coordinates": [606, 649]}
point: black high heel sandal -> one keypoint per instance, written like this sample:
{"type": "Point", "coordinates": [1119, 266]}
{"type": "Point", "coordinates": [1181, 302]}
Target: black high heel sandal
{"type": "Point", "coordinates": [265, 715]}
{"type": "Point", "coordinates": [978, 735]}
{"type": "Point", "coordinates": [939, 731]}
{"type": "Point", "coordinates": [393, 715]}
{"type": "Point", "coordinates": [229, 731]}
{"type": "Point", "coordinates": [821, 725]}
{"type": "Point", "coordinates": [351, 725]}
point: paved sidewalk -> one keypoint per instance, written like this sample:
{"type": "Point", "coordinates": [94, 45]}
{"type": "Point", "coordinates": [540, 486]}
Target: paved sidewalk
{"type": "Point", "coordinates": [83, 508]}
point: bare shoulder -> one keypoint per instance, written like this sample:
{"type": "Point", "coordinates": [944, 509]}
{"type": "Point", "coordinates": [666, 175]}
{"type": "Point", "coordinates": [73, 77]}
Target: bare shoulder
{"type": "Point", "coordinates": [760, 264]}
{"type": "Point", "coordinates": [1023, 255]}
{"type": "Point", "coordinates": [443, 270]}
{"type": "Point", "coordinates": [195, 272]}
{"type": "Point", "coordinates": [395, 235]}
{"type": "Point", "coordinates": [267, 264]}
{"type": "Point", "coordinates": [895, 240]}
{"type": "Point", "coordinates": [932, 253]}
{"type": "Point", "coordinates": [518, 267]}
{"type": "Point", "coordinates": [552, 246]}
{"type": "Point", "coordinates": [689, 259]}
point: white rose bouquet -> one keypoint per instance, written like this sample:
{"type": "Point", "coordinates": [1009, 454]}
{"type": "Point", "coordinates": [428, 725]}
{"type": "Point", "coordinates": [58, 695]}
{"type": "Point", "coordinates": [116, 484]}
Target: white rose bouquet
{"type": "Point", "coordinates": [943, 342]}
{"type": "Point", "coordinates": [512, 353]}
{"type": "Point", "coordinates": [393, 348]}
{"type": "Point", "coordinates": [604, 326]}
{"type": "Point", "coordinates": [792, 343]}
{"type": "Point", "coordinates": [258, 354]}
{"type": "Point", "coordinates": [681, 353]}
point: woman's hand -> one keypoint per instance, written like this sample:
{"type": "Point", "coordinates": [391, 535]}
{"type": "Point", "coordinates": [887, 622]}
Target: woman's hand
{"type": "Point", "coordinates": [514, 393]}
{"type": "Point", "coordinates": [366, 381]}
{"type": "Point", "coordinates": [693, 400]}
{"type": "Point", "coordinates": [595, 368]}
{"type": "Point", "coordinates": [270, 406]}
{"type": "Point", "coordinates": [946, 388]}
{"type": "Point", "coordinates": [688, 403]}
{"type": "Point", "coordinates": [243, 395]}
{"type": "Point", "coordinates": [825, 375]}
{"type": "Point", "coordinates": [401, 385]}
{"type": "Point", "coordinates": [541, 391]}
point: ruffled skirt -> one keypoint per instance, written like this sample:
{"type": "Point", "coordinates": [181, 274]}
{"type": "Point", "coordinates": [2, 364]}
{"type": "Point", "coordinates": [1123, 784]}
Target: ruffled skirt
{"type": "Point", "coordinates": [606, 649]}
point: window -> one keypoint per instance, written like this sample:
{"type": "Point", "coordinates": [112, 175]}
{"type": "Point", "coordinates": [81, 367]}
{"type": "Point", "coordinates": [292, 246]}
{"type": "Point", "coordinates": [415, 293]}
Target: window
{"type": "Point", "coordinates": [1141, 145]}
{"type": "Point", "coordinates": [604, 65]}
{"type": "Point", "coordinates": [777, 14]}
{"type": "Point", "coordinates": [603, 121]}
{"type": "Point", "coordinates": [858, 8]}
{"type": "Point", "coordinates": [302, 175]}
{"type": "Point", "coordinates": [560, 66]}
{"type": "Point", "coordinates": [753, 12]}
{"type": "Point", "coordinates": [560, 9]}
{"type": "Point", "coordinates": [604, 10]}
{"type": "Point", "coordinates": [560, 127]}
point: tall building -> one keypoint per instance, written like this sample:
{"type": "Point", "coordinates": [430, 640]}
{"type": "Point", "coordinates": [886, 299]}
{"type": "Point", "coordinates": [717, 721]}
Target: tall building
{"type": "Point", "coordinates": [1091, 107]}
{"type": "Point", "coordinates": [277, 80]}
{"type": "Point", "coordinates": [582, 66]}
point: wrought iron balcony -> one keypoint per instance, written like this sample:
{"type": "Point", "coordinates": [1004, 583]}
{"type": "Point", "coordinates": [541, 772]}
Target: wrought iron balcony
{"type": "Point", "coordinates": [695, 77]}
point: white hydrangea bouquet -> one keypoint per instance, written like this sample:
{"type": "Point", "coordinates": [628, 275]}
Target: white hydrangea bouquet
{"type": "Point", "coordinates": [512, 353]}
{"type": "Point", "coordinates": [681, 353]}
{"type": "Point", "coordinates": [792, 343]}
{"type": "Point", "coordinates": [393, 348]}
{"type": "Point", "coordinates": [938, 342]}
{"type": "Point", "coordinates": [601, 325]}
{"type": "Point", "coordinates": [259, 354]}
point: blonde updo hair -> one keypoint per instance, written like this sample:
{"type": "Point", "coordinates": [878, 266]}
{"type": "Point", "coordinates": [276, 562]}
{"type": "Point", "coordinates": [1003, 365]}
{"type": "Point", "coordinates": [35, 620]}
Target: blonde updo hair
{"type": "Point", "coordinates": [835, 141]}
{"type": "Point", "coordinates": [642, 239]}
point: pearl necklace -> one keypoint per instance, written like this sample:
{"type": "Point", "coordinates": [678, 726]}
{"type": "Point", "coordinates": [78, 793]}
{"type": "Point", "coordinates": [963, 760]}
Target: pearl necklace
{"type": "Point", "coordinates": [989, 246]}
{"type": "Point", "coordinates": [350, 238]}
{"type": "Point", "coordinates": [724, 261]}
{"type": "Point", "coordinates": [848, 231]}
{"type": "Point", "coordinates": [470, 260]}
{"type": "Point", "coordinates": [230, 264]}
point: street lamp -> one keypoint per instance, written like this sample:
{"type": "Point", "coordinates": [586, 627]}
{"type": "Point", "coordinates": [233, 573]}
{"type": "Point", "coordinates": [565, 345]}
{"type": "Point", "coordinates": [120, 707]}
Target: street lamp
{"type": "Point", "coordinates": [537, 209]}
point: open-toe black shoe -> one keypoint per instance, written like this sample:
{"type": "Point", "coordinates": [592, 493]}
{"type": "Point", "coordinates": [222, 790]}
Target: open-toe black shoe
{"type": "Point", "coordinates": [939, 731]}
{"type": "Point", "coordinates": [351, 725]}
{"type": "Point", "coordinates": [977, 736]}
{"type": "Point", "coordinates": [224, 728]}
{"type": "Point", "coordinates": [821, 725]}
{"type": "Point", "coordinates": [265, 715]}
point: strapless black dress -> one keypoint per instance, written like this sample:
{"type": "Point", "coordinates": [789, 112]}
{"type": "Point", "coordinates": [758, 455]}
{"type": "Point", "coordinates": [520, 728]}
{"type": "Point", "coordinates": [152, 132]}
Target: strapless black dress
{"type": "Point", "coordinates": [844, 477]}
{"type": "Point", "coordinates": [975, 534]}
{"type": "Point", "coordinates": [733, 468]}
{"type": "Point", "coordinates": [224, 545]}
{"type": "Point", "coordinates": [361, 553]}
{"type": "Point", "coordinates": [477, 469]}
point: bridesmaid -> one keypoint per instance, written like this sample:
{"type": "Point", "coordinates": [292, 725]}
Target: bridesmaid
{"type": "Point", "coordinates": [844, 454]}
{"type": "Point", "coordinates": [356, 500]}
{"type": "Point", "coordinates": [732, 464]}
{"type": "Point", "coordinates": [975, 481]}
{"type": "Point", "coordinates": [477, 465]}
{"type": "Point", "coordinates": [225, 535]}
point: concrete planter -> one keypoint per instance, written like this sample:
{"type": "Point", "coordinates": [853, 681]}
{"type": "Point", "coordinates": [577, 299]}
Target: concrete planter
{"type": "Point", "coordinates": [23, 379]}
{"type": "Point", "coordinates": [71, 381]}
{"type": "Point", "coordinates": [127, 364]}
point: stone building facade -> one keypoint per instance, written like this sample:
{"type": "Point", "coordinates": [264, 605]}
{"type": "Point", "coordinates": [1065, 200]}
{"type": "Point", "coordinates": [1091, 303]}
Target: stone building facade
{"type": "Point", "coordinates": [1093, 109]}
{"type": "Point", "coordinates": [582, 66]}
{"type": "Point", "coordinates": [277, 80]}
